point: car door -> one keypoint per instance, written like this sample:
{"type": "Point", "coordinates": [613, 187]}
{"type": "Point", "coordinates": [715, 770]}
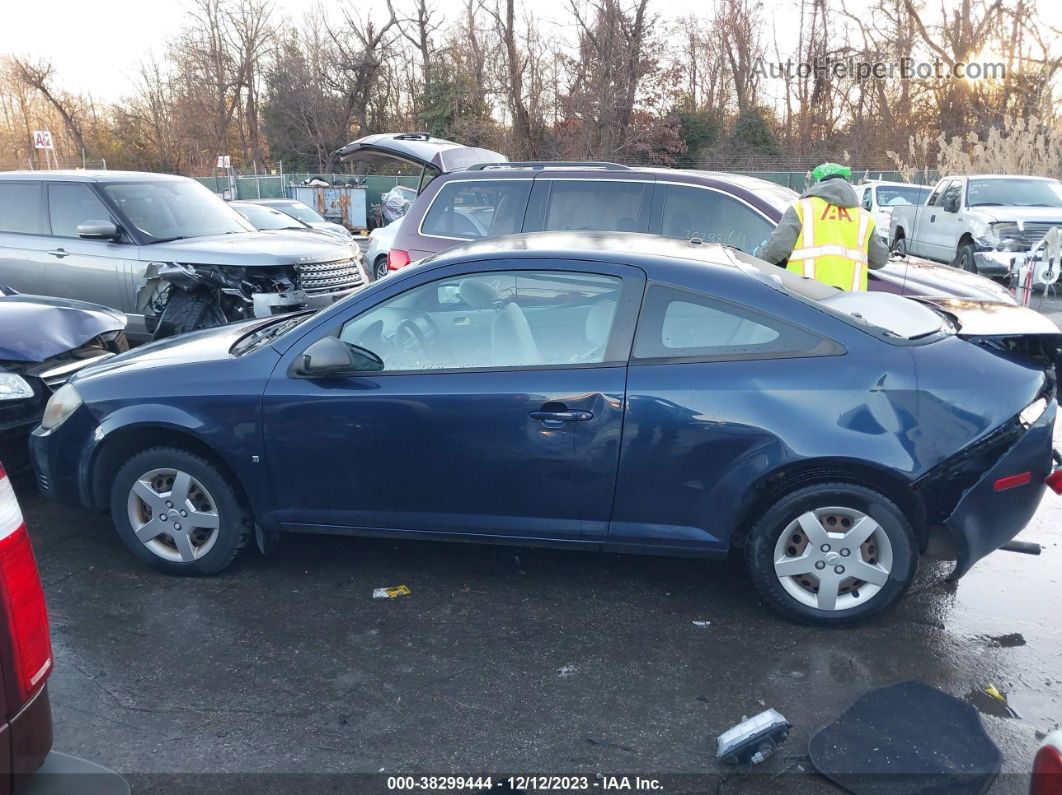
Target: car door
{"type": "Point", "coordinates": [600, 204]}
{"type": "Point", "coordinates": [505, 428]}
{"type": "Point", "coordinates": [89, 270]}
{"type": "Point", "coordinates": [21, 241]}
{"type": "Point", "coordinates": [934, 226]}
{"type": "Point", "coordinates": [709, 214]}
{"type": "Point", "coordinates": [947, 226]}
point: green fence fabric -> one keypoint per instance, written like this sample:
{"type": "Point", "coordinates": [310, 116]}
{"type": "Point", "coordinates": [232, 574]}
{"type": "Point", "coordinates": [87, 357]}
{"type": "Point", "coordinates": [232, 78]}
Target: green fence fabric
{"type": "Point", "coordinates": [276, 186]}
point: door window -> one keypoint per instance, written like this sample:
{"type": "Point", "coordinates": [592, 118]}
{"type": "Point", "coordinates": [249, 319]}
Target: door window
{"type": "Point", "coordinates": [678, 324]}
{"type": "Point", "coordinates": [868, 198]}
{"type": "Point", "coordinates": [71, 204]}
{"type": "Point", "coordinates": [469, 210]}
{"type": "Point", "coordinates": [596, 205]}
{"type": "Point", "coordinates": [713, 217]}
{"type": "Point", "coordinates": [514, 319]}
{"type": "Point", "coordinates": [20, 207]}
{"type": "Point", "coordinates": [953, 193]}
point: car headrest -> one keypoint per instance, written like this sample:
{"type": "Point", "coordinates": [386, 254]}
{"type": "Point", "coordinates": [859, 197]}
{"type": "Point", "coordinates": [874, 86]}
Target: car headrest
{"type": "Point", "coordinates": [478, 295]}
{"type": "Point", "coordinates": [599, 322]}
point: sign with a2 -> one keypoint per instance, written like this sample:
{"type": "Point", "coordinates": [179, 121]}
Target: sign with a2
{"type": "Point", "coordinates": [42, 139]}
{"type": "Point", "coordinates": [224, 161]}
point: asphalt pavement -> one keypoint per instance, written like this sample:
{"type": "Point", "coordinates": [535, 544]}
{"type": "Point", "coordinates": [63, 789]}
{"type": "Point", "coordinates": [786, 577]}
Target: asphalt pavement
{"type": "Point", "coordinates": [502, 660]}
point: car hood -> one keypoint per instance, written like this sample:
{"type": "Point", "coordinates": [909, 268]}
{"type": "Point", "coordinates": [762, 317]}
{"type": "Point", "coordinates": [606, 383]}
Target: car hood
{"type": "Point", "coordinates": [34, 328]}
{"type": "Point", "coordinates": [919, 277]}
{"type": "Point", "coordinates": [249, 249]}
{"type": "Point", "coordinates": [1047, 215]}
{"type": "Point", "coordinates": [989, 319]}
{"type": "Point", "coordinates": [197, 346]}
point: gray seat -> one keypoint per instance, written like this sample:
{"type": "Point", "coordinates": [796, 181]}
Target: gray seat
{"type": "Point", "coordinates": [598, 327]}
{"type": "Point", "coordinates": [511, 341]}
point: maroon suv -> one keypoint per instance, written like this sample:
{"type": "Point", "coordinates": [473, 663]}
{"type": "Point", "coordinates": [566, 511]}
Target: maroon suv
{"type": "Point", "coordinates": [468, 194]}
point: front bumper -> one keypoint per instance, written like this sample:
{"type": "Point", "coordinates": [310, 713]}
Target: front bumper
{"type": "Point", "coordinates": [988, 515]}
{"type": "Point", "coordinates": [268, 304]}
{"type": "Point", "coordinates": [997, 263]}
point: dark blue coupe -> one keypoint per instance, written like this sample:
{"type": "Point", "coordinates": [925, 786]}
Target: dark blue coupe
{"type": "Point", "coordinates": [602, 391]}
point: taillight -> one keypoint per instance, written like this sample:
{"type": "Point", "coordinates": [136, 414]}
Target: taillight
{"type": "Point", "coordinates": [397, 258]}
{"type": "Point", "coordinates": [1047, 772]}
{"type": "Point", "coordinates": [22, 595]}
{"type": "Point", "coordinates": [1054, 481]}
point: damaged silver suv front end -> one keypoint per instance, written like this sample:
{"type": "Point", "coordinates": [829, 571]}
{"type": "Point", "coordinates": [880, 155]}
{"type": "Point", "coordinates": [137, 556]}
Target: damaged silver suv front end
{"type": "Point", "coordinates": [177, 297]}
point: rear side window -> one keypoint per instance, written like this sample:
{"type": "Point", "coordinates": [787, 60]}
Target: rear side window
{"type": "Point", "coordinates": [713, 217]}
{"type": "Point", "coordinates": [469, 210]}
{"type": "Point", "coordinates": [71, 204]}
{"type": "Point", "coordinates": [683, 325]}
{"type": "Point", "coordinates": [596, 205]}
{"type": "Point", "coordinates": [19, 207]}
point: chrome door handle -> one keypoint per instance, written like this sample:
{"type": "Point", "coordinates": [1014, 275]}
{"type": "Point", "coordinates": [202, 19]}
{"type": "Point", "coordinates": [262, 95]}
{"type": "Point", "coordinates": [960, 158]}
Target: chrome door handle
{"type": "Point", "coordinates": [60, 253]}
{"type": "Point", "coordinates": [554, 419]}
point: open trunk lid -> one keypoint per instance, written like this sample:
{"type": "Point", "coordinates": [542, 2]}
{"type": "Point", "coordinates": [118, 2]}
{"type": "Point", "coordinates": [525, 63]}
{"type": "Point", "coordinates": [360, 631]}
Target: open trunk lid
{"type": "Point", "coordinates": [417, 149]}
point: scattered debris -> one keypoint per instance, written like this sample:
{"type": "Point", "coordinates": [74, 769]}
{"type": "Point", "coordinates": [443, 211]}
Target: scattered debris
{"type": "Point", "coordinates": [391, 593]}
{"type": "Point", "coordinates": [1008, 641]}
{"type": "Point", "coordinates": [754, 739]}
{"type": "Point", "coordinates": [567, 670]}
{"type": "Point", "coordinates": [702, 623]}
{"type": "Point", "coordinates": [991, 701]}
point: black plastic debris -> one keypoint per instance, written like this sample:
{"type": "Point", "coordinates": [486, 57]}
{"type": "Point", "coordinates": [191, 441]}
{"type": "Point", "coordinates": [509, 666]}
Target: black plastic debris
{"type": "Point", "coordinates": [907, 738]}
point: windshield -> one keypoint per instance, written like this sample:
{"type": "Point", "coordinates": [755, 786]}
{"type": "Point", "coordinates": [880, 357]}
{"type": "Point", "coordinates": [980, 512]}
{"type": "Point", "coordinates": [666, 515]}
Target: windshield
{"type": "Point", "coordinates": [174, 209]}
{"type": "Point", "coordinates": [266, 218]}
{"type": "Point", "coordinates": [897, 195]}
{"type": "Point", "coordinates": [1014, 193]}
{"type": "Point", "coordinates": [301, 211]}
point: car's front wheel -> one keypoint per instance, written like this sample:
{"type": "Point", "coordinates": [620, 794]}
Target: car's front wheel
{"type": "Point", "coordinates": [964, 258]}
{"type": "Point", "coordinates": [832, 554]}
{"type": "Point", "coordinates": [179, 512]}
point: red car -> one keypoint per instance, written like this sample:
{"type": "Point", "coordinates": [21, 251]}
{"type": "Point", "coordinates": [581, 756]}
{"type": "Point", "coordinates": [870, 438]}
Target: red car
{"type": "Point", "coordinates": [27, 762]}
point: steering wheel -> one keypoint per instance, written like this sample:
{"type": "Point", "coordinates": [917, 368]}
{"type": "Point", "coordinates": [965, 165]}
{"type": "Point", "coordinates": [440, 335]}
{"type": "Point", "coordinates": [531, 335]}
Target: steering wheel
{"type": "Point", "coordinates": [409, 340]}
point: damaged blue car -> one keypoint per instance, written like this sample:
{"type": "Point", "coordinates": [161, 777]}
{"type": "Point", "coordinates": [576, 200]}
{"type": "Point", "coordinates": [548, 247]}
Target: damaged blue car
{"type": "Point", "coordinates": [43, 341]}
{"type": "Point", "coordinates": [606, 391]}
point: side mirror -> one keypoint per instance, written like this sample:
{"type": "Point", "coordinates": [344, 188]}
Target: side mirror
{"type": "Point", "coordinates": [329, 356]}
{"type": "Point", "coordinates": [98, 230]}
{"type": "Point", "coordinates": [951, 204]}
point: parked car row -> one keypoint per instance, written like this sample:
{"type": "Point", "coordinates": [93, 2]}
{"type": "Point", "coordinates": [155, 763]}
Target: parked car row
{"type": "Point", "coordinates": [460, 202]}
{"type": "Point", "coordinates": [163, 250]}
{"type": "Point", "coordinates": [585, 354]}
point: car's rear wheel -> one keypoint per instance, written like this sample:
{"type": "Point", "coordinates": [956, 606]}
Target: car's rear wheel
{"type": "Point", "coordinates": [379, 267]}
{"type": "Point", "coordinates": [832, 554]}
{"type": "Point", "coordinates": [179, 512]}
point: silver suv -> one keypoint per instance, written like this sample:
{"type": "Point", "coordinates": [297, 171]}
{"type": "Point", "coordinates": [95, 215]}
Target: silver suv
{"type": "Point", "coordinates": [162, 249]}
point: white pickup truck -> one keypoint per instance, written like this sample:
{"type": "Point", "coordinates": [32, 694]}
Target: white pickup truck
{"type": "Point", "coordinates": [982, 224]}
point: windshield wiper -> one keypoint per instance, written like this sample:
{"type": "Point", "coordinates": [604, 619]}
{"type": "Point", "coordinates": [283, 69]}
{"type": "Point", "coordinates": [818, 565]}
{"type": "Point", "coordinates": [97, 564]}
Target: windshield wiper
{"type": "Point", "coordinates": [169, 239]}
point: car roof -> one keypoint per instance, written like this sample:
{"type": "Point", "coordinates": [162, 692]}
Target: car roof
{"type": "Point", "coordinates": [268, 202]}
{"type": "Point", "coordinates": [89, 176]}
{"type": "Point", "coordinates": [868, 183]}
{"type": "Point", "coordinates": [590, 245]}
{"type": "Point", "coordinates": [1003, 176]}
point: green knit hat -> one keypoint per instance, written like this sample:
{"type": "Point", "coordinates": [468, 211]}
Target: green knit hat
{"type": "Point", "coordinates": [831, 170]}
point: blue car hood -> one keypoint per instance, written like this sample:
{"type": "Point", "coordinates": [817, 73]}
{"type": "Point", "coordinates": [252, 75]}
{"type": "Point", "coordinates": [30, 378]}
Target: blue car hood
{"type": "Point", "coordinates": [34, 328]}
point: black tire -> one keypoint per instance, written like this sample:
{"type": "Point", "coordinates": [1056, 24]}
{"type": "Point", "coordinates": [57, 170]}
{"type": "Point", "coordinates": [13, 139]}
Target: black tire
{"type": "Point", "coordinates": [379, 267]}
{"type": "Point", "coordinates": [899, 246]}
{"type": "Point", "coordinates": [187, 311]}
{"type": "Point", "coordinates": [234, 518]}
{"type": "Point", "coordinates": [765, 534]}
{"type": "Point", "coordinates": [964, 258]}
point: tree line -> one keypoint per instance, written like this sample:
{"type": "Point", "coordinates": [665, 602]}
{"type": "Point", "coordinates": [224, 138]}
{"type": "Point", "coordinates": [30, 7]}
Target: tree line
{"type": "Point", "coordinates": [733, 86]}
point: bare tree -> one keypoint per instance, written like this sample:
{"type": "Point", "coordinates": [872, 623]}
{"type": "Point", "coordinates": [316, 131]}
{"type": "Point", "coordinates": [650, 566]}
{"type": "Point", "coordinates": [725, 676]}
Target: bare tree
{"type": "Point", "coordinates": [39, 76]}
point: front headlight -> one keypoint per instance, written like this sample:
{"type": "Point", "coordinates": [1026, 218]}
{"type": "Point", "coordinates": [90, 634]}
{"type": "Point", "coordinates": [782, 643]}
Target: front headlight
{"type": "Point", "coordinates": [14, 387]}
{"type": "Point", "coordinates": [61, 405]}
{"type": "Point", "coordinates": [1031, 413]}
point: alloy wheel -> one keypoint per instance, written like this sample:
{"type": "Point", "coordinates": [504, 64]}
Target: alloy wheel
{"type": "Point", "coordinates": [833, 558]}
{"type": "Point", "coordinates": [173, 515]}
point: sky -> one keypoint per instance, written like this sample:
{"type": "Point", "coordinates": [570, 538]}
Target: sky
{"type": "Point", "coordinates": [96, 46]}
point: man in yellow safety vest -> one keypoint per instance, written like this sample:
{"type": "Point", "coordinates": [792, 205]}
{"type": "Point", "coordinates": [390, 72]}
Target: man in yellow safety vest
{"type": "Point", "coordinates": [826, 235]}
